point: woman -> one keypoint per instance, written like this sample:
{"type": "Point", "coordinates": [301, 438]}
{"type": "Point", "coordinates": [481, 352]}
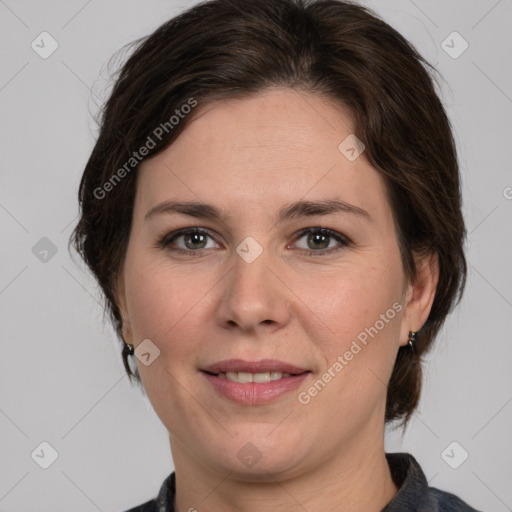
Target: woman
{"type": "Point", "coordinates": [273, 212]}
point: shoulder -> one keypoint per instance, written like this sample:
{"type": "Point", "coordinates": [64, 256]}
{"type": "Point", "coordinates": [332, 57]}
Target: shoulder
{"type": "Point", "coordinates": [448, 502]}
{"type": "Point", "coordinates": [414, 492]}
{"type": "Point", "coordinates": [164, 500]}
{"type": "Point", "coordinates": [149, 506]}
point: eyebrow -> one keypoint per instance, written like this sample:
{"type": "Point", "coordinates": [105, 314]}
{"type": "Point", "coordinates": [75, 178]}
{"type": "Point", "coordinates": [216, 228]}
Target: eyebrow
{"type": "Point", "coordinates": [295, 210]}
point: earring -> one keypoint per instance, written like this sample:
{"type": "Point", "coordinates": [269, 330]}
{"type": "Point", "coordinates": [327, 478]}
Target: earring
{"type": "Point", "coordinates": [128, 349]}
{"type": "Point", "coordinates": [412, 339]}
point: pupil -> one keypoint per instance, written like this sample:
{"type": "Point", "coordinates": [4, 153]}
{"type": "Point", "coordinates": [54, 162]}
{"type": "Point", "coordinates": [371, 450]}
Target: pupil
{"type": "Point", "coordinates": [196, 238]}
{"type": "Point", "coordinates": [321, 236]}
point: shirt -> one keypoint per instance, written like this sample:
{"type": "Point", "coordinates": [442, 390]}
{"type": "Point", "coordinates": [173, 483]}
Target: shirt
{"type": "Point", "coordinates": [413, 495]}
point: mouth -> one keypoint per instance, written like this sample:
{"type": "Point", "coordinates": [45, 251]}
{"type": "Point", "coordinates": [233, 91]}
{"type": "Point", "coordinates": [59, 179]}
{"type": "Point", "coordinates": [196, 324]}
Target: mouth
{"type": "Point", "coordinates": [259, 378]}
{"type": "Point", "coordinates": [265, 370]}
{"type": "Point", "coordinates": [254, 382]}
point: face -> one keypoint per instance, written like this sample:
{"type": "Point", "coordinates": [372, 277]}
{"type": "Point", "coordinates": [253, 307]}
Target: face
{"type": "Point", "coordinates": [267, 278]}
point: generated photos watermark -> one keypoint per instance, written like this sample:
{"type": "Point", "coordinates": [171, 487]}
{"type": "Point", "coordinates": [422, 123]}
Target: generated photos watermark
{"type": "Point", "coordinates": [137, 156]}
{"type": "Point", "coordinates": [305, 397]}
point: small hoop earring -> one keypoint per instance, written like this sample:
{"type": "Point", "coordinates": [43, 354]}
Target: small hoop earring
{"type": "Point", "coordinates": [128, 349]}
{"type": "Point", "coordinates": [412, 339]}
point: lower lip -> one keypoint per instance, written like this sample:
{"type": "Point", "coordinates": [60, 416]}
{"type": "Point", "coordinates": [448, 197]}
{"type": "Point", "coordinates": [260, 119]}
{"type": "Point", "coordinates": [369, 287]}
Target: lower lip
{"type": "Point", "coordinates": [253, 393]}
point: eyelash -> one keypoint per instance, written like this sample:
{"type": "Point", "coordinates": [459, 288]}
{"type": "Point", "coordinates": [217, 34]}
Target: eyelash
{"type": "Point", "coordinates": [164, 241]}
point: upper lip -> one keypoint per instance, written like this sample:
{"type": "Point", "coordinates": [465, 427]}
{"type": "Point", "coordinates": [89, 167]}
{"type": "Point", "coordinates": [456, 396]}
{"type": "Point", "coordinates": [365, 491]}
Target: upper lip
{"type": "Point", "coordinates": [261, 366]}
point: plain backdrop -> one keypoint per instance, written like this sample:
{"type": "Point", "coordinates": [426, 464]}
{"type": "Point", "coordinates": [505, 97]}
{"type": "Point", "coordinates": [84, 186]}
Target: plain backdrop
{"type": "Point", "coordinates": [61, 376]}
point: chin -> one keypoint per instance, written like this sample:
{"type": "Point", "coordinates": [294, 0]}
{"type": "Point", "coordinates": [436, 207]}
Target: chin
{"type": "Point", "coordinates": [261, 456]}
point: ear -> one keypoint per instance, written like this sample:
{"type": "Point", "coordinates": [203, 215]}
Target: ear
{"type": "Point", "coordinates": [420, 295]}
{"type": "Point", "coordinates": [121, 303]}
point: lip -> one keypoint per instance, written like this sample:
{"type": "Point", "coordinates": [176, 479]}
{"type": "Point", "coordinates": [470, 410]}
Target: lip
{"type": "Point", "coordinates": [261, 366]}
{"type": "Point", "coordinates": [254, 393]}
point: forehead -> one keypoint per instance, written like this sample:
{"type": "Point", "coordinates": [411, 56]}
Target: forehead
{"type": "Point", "coordinates": [261, 151]}
{"type": "Point", "coordinates": [271, 121]}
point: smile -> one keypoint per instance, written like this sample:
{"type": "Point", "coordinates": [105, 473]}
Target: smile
{"type": "Point", "coordinates": [254, 389]}
{"type": "Point", "coordinates": [245, 377]}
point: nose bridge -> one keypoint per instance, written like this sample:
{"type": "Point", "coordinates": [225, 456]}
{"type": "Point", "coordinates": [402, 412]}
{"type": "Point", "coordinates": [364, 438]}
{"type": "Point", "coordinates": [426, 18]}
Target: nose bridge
{"type": "Point", "coordinates": [253, 295]}
{"type": "Point", "coordinates": [250, 277]}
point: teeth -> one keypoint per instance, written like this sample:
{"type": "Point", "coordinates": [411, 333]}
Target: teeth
{"type": "Point", "coordinates": [244, 377]}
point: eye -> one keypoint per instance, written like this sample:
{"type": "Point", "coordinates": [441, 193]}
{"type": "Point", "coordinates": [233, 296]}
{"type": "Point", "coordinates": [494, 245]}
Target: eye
{"type": "Point", "coordinates": [186, 240]}
{"type": "Point", "coordinates": [191, 241]}
{"type": "Point", "coordinates": [320, 240]}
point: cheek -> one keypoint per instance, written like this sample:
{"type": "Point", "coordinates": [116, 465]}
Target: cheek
{"type": "Point", "coordinates": [160, 297]}
{"type": "Point", "coordinates": [170, 306]}
{"type": "Point", "coordinates": [362, 315]}
{"type": "Point", "coordinates": [165, 306]}
{"type": "Point", "coordinates": [362, 311]}
{"type": "Point", "coordinates": [352, 298]}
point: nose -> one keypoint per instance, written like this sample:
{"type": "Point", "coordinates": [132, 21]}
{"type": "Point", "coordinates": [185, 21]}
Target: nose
{"type": "Point", "coordinates": [254, 296]}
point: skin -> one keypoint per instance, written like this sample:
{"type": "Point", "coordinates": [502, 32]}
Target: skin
{"type": "Point", "coordinates": [250, 157]}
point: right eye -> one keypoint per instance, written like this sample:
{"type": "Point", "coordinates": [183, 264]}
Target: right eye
{"type": "Point", "coordinates": [192, 240]}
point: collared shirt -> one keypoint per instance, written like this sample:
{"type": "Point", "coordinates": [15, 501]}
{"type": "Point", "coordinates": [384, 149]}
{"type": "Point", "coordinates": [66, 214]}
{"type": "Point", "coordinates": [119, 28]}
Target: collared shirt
{"type": "Point", "coordinates": [413, 495]}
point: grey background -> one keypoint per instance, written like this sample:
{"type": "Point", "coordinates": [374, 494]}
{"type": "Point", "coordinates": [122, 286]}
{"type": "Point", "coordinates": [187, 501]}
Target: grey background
{"type": "Point", "coordinates": [61, 376]}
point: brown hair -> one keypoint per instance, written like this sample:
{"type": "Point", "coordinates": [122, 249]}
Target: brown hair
{"type": "Point", "coordinates": [341, 50]}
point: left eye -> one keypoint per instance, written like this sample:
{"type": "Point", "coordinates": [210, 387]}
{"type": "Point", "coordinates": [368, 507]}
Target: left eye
{"type": "Point", "coordinates": [319, 239]}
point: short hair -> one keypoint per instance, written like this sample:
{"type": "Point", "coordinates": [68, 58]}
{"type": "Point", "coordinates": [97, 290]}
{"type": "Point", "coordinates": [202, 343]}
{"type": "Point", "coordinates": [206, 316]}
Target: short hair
{"type": "Point", "coordinates": [228, 49]}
